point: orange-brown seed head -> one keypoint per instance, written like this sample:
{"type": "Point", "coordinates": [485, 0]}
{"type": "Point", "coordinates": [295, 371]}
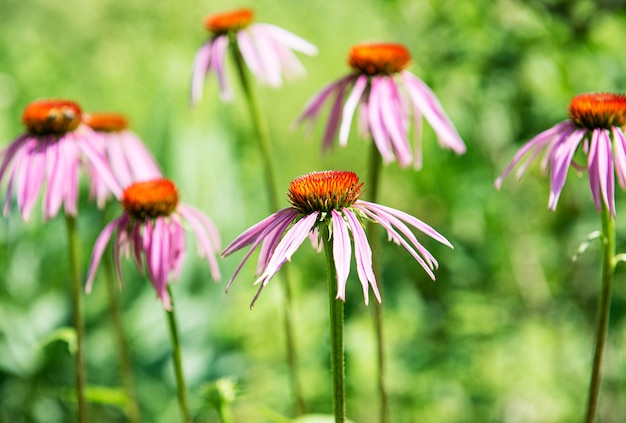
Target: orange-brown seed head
{"type": "Point", "coordinates": [150, 199]}
{"type": "Point", "coordinates": [51, 116]}
{"type": "Point", "coordinates": [220, 23]}
{"type": "Point", "coordinates": [324, 191]}
{"type": "Point", "coordinates": [379, 59]}
{"type": "Point", "coordinates": [106, 122]}
{"type": "Point", "coordinates": [598, 110]}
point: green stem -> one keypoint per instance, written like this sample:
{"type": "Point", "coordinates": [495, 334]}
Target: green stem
{"type": "Point", "coordinates": [262, 135]}
{"type": "Point", "coordinates": [126, 373]}
{"type": "Point", "coordinates": [178, 362]}
{"type": "Point", "coordinates": [374, 240]}
{"type": "Point", "coordinates": [79, 324]}
{"type": "Point", "coordinates": [337, 362]}
{"type": "Point", "coordinates": [225, 413]}
{"type": "Point", "coordinates": [604, 306]}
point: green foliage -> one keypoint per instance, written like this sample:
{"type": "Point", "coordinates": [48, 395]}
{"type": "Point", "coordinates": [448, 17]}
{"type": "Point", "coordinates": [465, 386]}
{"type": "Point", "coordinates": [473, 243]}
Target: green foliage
{"type": "Point", "coordinates": [503, 335]}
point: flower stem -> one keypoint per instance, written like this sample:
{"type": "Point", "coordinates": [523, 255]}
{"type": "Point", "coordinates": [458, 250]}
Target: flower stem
{"type": "Point", "coordinates": [604, 306]}
{"type": "Point", "coordinates": [337, 362]}
{"type": "Point", "coordinates": [374, 238]}
{"type": "Point", "coordinates": [261, 132]}
{"type": "Point", "coordinates": [79, 324]}
{"type": "Point", "coordinates": [178, 362]}
{"type": "Point", "coordinates": [126, 373]}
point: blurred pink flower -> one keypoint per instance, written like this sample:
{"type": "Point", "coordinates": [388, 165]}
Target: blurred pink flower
{"type": "Point", "coordinates": [266, 49]}
{"type": "Point", "coordinates": [595, 129]}
{"type": "Point", "coordinates": [384, 109]}
{"type": "Point", "coordinates": [330, 198]}
{"type": "Point", "coordinates": [151, 231]}
{"type": "Point", "coordinates": [127, 156]}
{"type": "Point", "coordinates": [50, 153]}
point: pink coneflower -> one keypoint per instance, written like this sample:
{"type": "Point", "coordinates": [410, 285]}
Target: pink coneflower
{"type": "Point", "coordinates": [331, 198]}
{"type": "Point", "coordinates": [387, 95]}
{"type": "Point", "coordinates": [266, 49]}
{"type": "Point", "coordinates": [50, 153]}
{"type": "Point", "coordinates": [595, 128]}
{"type": "Point", "coordinates": [151, 230]}
{"type": "Point", "coordinates": [127, 156]}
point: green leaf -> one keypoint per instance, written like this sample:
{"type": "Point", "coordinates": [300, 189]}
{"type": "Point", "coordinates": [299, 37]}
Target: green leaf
{"type": "Point", "coordinates": [64, 334]}
{"type": "Point", "coordinates": [585, 244]}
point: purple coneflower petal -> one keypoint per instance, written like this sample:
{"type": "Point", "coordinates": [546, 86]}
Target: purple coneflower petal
{"type": "Point", "coordinates": [562, 154]}
{"type": "Point", "coordinates": [342, 252]}
{"type": "Point", "coordinates": [290, 242]}
{"type": "Point", "coordinates": [218, 56]}
{"type": "Point", "coordinates": [287, 39]}
{"type": "Point", "coordinates": [426, 101]}
{"type": "Point", "coordinates": [349, 108]}
{"type": "Point", "coordinates": [98, 249]}
{"type": "Point", "coordinates": [201, 65]}
{"type": "Point", "coordinates": [362, 255]}
{"type": "Point", "coordinates": [206, 245]}
{"type": "Point", "coordinates": [391, 113]}
{"type": "Point", "coordinates": [379, 134]}
{"type": "Point", "coordinates": [619, 154]}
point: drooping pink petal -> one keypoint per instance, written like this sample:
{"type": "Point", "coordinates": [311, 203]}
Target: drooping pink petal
{"type": "Point", "coordinates": [218, 57]}
{"type": "Point", "coordinates": [287, 38]}
{"type": "Point", "coordinates": [342, 252]}
{"type": "Point", "coordinates": [349, 108]}
{"type": "Point", "coordinates": [561, 156]}
{"type": "Point", "coordinates": [362, 255]}
{"type": "Point", "coordinates": [292, 239]}
{"type": "Point", "coordinates": [391, 114]}
{"type": "Point", "coordinates": [428, 103]}
{"type": "Point", "coordinates": [379, 134]}
{"type": "Point", "coordinates": [98, 249]}
{"type": "Point", "coordinates": [619, 154]}
{"type": "Point", "coordinates": [199, 68]}
{"type": "Point", "coordinates": [206, 246]}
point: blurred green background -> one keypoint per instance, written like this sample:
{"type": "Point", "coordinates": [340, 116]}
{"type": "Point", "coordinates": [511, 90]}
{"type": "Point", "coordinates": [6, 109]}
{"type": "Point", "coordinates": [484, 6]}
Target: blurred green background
{"type": "Point", "coordinates": [505, 334]}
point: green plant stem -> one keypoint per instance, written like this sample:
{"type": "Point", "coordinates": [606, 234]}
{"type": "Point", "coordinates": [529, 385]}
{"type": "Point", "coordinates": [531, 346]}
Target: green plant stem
{"type": "Point", "coordinates": [604, 306]}
{"type": "Point", "coordinates": [225, 413]}
{"type": "Point", "coordinates": [374, 240]}
{"type": "Point", "coordinates": [178, 362]}
{"type": "Point", "coordinates": [337, 361]}
{"type": "Point", "coordinates": [79, 324]}
{"type": "Point", "coordinates": [261, 133]}
{"type": "Point", "coordinates": [126, 372]}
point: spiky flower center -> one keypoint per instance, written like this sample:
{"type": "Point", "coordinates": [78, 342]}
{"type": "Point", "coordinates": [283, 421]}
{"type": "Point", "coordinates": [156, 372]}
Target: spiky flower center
{"type": "Point", "coordinates": [221, 23]}
{"type": "Point", "coordinates": [324, 191]}
{"type": "Point", "coordinates": [379, 59]}
{"type": "Point", "coordinates": [106, 122]}
{"type": "Point", "coordinates": [598, 110]}
{"type": "Point", "coordinates": [150, 199]}
{"type": "Point", "coordinates": [47, 117]}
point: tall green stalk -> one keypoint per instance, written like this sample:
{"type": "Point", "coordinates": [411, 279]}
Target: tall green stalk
{"type": "Point", "coordinates": [337, 360]}
{"type": "Point", "coordinates": [604, 306]}
{"type": "Point", "coordinates": [374, 240]}
{"type": "Point", "coordinates": [126, 372]}
{"type": "Point", "coordinates": [261, 133]}
{"type": "Point", "coordinates": [178, 362]}
{"type": "Point", "coordinates": [79, 324]}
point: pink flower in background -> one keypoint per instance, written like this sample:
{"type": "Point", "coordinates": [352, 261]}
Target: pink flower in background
{"type": "Point", "coordinates": [386, 95]}
{"type": "Point", "coordinates": [150, 230]}
{"type": "Point", "coordinates": [50, 154]}
{"type": "Point", "coordinates": [331, 198]}
{"type": "Point", "coordinates": [127, 156]}
{"type": "Point", "coordinates": [595, 129]}
{"type": "Point", "coordinates": [265, 48]}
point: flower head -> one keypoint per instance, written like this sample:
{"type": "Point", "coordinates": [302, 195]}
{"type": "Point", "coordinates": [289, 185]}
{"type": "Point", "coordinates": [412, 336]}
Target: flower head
{"type": "Point", "coordinates": [386, 95]}
{"type": "Point", "coordinates": [50, 153]}
{"type": "Point", "coordinates": [266, 49]}
{"type": "Point", "coordinates": [151, 230]}
{"type": "Point", "coordinates": [127, 156]}
{"type": "Point", "coordinates": [596, 130]}
{"type": "Point", "coordinates": [331, 199]}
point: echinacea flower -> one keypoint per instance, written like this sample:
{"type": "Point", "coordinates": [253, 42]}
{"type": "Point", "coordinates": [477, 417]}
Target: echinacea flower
{"type": "Point", "coordinates": [331, 199]}
{"type": "Point", "coordinates": [127, 156]}
{"type": "Point", "coordinates": [266, 49]}
{"type": "Point", "coordinates": [596, 130]}
{"type": "Point", "coordinates": [151, 231]}
{"type": "Point", "coordinates": [387, 95]}
{"type": "Point", "coordinates": [51, 153]}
